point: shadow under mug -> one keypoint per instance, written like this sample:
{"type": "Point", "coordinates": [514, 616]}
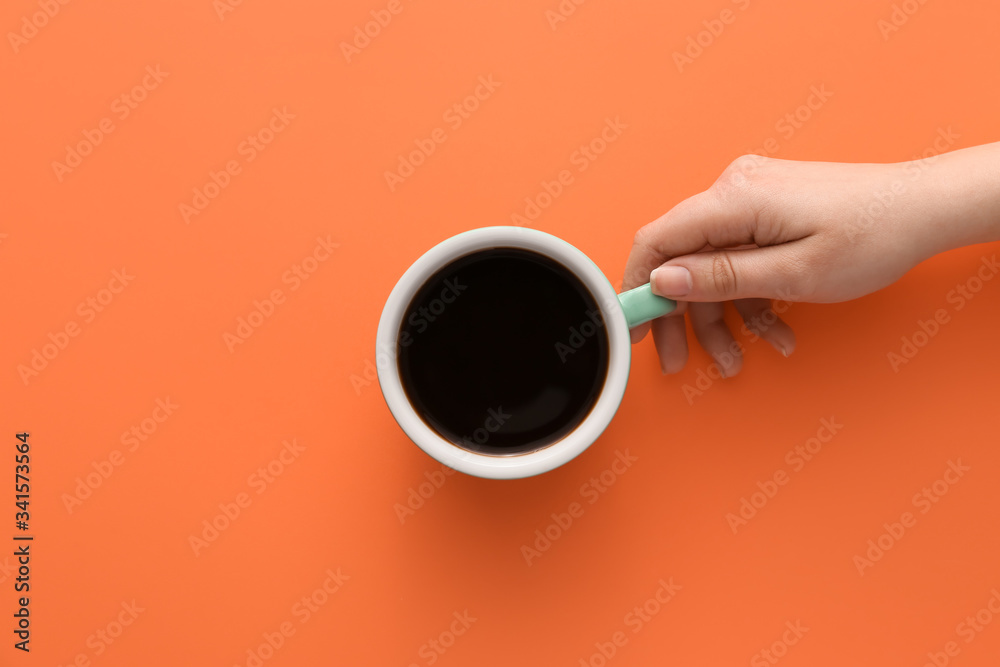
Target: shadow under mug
{"type": "Point", "coordinates": [620, 312]}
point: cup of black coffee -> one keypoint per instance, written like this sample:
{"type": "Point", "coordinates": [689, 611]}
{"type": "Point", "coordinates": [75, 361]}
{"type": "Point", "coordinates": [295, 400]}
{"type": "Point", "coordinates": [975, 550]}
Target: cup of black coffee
{"type": "Point", "coordinates": [503, 352]}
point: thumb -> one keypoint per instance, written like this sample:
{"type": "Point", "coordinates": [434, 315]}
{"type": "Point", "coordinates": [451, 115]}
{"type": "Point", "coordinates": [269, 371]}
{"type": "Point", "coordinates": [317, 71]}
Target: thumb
{"type": "Point", "coordinates": [725, 275]}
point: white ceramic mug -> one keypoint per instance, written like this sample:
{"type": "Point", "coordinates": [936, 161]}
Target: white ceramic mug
{"type": "Point", "coordinates": [620, 312]}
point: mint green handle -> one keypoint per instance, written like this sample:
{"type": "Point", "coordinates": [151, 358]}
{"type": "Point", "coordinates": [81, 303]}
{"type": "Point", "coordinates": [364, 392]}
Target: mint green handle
{"type": "Point", "coordinates": [641, 305]}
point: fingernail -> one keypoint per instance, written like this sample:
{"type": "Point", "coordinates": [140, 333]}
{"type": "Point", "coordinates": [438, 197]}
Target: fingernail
{"type": "Point", "coordinates": [671, 281]}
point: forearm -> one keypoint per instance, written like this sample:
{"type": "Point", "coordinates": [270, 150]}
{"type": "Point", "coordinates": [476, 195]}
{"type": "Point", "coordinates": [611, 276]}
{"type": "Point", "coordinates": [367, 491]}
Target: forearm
{"type": "Point", "coordinates": [962, 191]}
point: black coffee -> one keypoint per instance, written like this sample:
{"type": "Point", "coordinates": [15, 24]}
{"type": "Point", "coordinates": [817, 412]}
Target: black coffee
{"type": "Point", "coordinates": [503, 351]}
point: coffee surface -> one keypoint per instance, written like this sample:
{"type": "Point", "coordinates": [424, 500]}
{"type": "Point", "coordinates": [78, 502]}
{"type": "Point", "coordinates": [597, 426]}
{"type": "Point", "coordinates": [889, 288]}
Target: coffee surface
{"type": "Point", "coordinates": [503, 351]}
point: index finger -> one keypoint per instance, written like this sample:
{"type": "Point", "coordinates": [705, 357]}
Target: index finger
{"type": "Point", "coordinates": [701, 221]}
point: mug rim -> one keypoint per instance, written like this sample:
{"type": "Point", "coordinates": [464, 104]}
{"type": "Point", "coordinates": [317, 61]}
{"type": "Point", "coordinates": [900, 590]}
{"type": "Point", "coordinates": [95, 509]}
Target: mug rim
{"type": "Point", "coordinates": [550, 456]}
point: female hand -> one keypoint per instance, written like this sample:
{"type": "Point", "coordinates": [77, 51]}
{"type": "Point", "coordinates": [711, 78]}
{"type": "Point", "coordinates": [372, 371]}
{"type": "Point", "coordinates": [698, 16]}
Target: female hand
{"type": "Point", "coordinates": [803, 231]}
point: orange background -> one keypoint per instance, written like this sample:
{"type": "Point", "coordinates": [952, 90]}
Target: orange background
{"type": "Point", "coordinates": [301, 374]}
